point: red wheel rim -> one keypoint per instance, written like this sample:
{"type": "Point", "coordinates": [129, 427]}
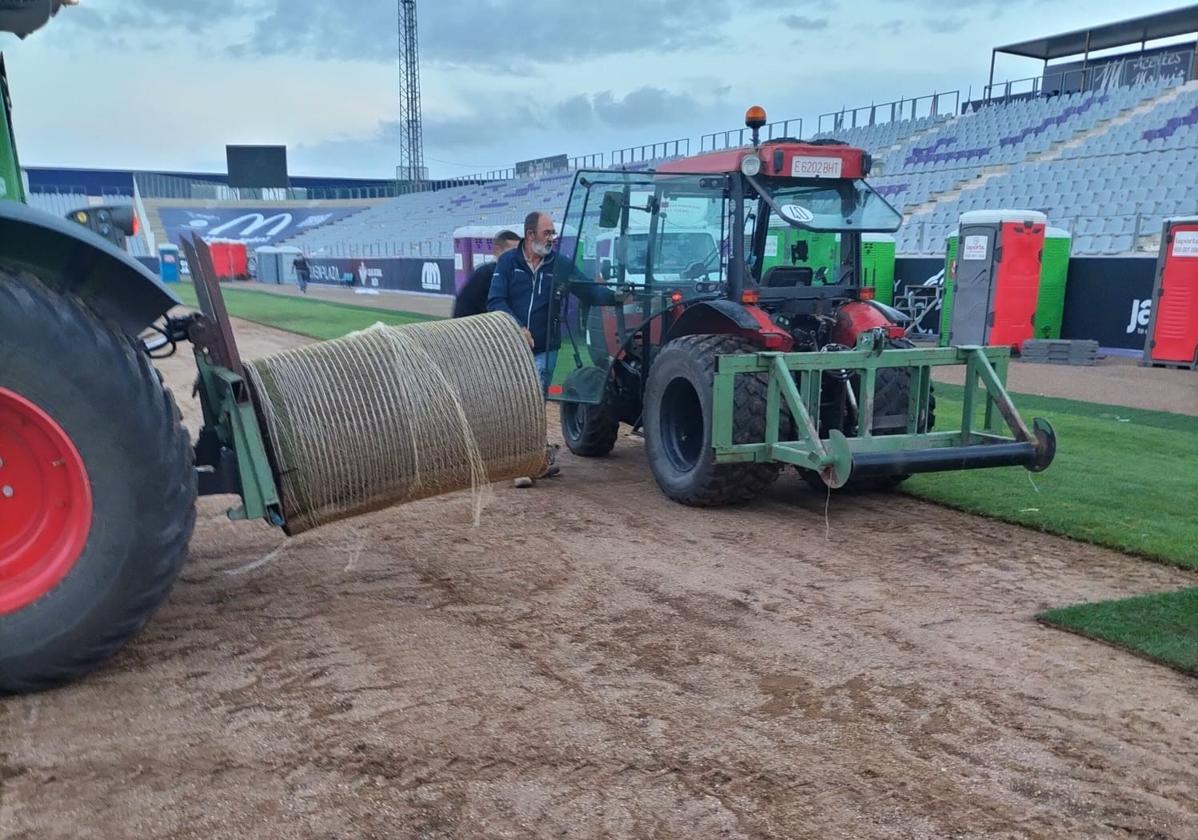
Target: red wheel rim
{"type": "Point", "coordinates": [45, 502]}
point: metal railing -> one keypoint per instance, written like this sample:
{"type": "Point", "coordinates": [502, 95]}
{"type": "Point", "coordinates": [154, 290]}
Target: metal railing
{"type": "Point", "coordinates": [1077, 80]}
{"type": "Point", "coordinates": [595, 161]}
{"type": "Point", "coordinates": [932, 105]}
{"type": "Point", "coordinates": [649, 152]}
{"type": "Point", "coordinates": [735, 138]}
{"type": "Point", "coordinates": [155, 185]}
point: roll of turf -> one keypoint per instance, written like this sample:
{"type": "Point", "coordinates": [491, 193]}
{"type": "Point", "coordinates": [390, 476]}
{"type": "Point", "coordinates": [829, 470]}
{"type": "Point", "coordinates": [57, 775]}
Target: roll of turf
{"type": "Point", "coordinates": [394, 414]}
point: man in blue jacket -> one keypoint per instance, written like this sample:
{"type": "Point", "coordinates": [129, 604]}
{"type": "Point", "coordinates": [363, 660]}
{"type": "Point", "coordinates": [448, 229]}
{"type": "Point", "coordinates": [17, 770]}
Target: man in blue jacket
{"type": "Point", "coordinates": [522, 286]}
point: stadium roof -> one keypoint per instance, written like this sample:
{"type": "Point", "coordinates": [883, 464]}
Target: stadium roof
{"type": "Point", "coordinates": [1182, 21]}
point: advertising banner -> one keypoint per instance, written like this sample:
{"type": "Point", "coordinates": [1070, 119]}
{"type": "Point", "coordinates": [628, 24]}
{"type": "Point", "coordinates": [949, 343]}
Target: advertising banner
{"type": "Point", "coordinates": [254, 226]}
{"type": "Point", "coordinates": [431, 276]}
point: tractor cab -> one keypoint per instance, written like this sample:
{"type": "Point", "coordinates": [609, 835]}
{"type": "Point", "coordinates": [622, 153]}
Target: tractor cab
{"type": "Point", "coordinates": [765, 240]}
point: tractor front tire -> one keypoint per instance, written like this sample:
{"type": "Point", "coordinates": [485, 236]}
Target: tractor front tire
{"type": "Point", "coordinates": [678, 424]}
{"type": "Point", "coordinates": [97, 487]}
{"type": "Point", "coordinates": [589, 430]}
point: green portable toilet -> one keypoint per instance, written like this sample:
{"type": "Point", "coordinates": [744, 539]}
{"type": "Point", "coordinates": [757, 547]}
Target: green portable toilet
{"type": "Point", "coordinates": [1054, 268]}
{"type": "Point", "coordinates": [877, 265]}
{"type": "Point", "coordinates": [946, 299]}
{"type": "Point", "coordinates": [823, 249]}
{"type": "Point", "coordinates": [777, 251]}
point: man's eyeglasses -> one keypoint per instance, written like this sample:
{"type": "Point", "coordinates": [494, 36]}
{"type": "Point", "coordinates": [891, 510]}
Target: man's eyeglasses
{"type": "Point", "coordinates": [549, 234]}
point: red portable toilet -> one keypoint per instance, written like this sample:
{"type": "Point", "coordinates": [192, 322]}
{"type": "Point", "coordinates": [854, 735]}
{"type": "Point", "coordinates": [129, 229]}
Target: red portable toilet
{"type": "Point", "coordinates": [1172, 339]}
{"type": "Point", "coordinates": [229, 258]}
{"type": "Point", "coordinates": [998, 277]}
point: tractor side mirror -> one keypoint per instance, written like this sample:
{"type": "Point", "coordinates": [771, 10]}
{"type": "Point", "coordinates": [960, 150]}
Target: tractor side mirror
{"type": "Point", "coordinates": [610, 210]}
{"type": "Point", "coordinates": [799, 252]}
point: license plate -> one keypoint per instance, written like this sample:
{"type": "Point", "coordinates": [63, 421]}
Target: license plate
{"type": "Point", "coordinates": [815, 167]}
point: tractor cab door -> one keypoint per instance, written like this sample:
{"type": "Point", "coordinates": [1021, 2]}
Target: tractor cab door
{"type": "Point", "coordinates": [644, 244]}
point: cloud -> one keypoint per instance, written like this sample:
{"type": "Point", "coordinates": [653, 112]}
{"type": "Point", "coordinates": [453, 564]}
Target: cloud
{"type": "Point", "coordinates": [945, 25]}
{"type": "Point", "coordinates": [138, 21]}
{"type": "Point", "coordinates": [805, 23]}
{"type": "Point", "coordinates": [515, 123]}
{"type": "Point", "coordinates": [503, 34]}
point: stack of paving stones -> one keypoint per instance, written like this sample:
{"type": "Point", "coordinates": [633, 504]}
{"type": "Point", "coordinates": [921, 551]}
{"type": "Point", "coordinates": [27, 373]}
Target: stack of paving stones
{"type": "Point", "coordinates": [1060, 351]}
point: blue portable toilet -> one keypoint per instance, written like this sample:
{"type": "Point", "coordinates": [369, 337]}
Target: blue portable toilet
{"type": "Point", "coordinates": [168, 263]}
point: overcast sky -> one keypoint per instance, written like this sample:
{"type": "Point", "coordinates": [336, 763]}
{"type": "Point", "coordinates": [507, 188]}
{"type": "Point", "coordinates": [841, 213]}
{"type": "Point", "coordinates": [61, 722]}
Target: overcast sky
{"type": "Point", "coordinates": [165, 84]}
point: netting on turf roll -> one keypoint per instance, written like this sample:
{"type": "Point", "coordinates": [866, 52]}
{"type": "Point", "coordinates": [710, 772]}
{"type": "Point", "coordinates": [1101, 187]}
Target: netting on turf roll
{"type": "Point", "coordinates": [395, 414]}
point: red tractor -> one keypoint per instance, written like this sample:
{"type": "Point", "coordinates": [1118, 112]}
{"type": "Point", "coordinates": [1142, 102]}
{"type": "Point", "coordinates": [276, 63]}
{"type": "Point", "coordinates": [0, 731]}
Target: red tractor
{"type": "Point", "coordinates": [734, 358]}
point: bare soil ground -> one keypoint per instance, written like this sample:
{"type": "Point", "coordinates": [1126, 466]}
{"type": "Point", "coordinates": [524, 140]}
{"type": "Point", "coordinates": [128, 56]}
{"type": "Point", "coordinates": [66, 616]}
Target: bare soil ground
{"type": "Point", "coordinates": [596, 661]}
{"type": "Point", "coordinates": [1114, 380]}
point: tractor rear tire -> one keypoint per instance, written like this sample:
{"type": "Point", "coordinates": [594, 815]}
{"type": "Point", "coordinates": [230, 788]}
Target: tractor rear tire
{"type": "Point", "coordinates": [97, 476]}
{"type": "Point", "coordinates": [892, 391]}
{"type": "Point", "coordinates": [678, 424]}
{"type": "Point", "coordinates": [589, 430]}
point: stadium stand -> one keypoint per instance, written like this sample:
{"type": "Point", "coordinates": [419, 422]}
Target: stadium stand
{"type": "Point", "coordinates": [1107, 165]}
{"type": "Point", "coordinates": [1110, 183]}
{"type": "Point", "coordinates": [422, 224]}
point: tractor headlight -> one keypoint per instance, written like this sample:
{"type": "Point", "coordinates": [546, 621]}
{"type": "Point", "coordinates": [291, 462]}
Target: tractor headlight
{"type": "Point", "coordinates": [750, 165]}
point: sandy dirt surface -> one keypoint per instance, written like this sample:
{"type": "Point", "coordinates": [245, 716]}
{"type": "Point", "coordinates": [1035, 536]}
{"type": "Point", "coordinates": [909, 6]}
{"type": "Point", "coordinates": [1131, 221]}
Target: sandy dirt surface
{"type": "Point", "coordinates": [596, 661]}
{"type": "Point", "coordinates": [1114, 381]}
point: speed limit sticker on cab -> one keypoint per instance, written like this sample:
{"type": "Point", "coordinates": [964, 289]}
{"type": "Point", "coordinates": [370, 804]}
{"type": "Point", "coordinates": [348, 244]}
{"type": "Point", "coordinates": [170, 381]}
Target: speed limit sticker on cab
{"type": "Point", "coordinates": [815, 167]}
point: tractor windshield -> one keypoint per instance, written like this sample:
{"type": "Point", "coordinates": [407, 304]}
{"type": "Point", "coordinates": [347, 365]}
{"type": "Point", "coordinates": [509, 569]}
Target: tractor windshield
{"type": "Point", "coordinates": [825, 205]}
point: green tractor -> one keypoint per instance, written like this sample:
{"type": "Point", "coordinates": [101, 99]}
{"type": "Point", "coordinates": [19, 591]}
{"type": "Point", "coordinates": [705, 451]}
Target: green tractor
{"type": "Point", "coordinates": [734, 357]}
{"type": "Point", "coordinates": [98, 476]}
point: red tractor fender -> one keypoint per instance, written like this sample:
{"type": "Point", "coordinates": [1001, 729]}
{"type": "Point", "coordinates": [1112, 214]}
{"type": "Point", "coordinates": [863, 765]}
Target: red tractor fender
{"type": "Point", "coordinates": [726, 317]}
{"type": "Point", "coordinates": [857, 317]}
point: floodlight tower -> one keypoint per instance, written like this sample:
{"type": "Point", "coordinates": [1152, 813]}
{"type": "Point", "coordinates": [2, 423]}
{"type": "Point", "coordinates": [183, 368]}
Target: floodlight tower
{"type": "Point", "coordinates": [411, 136]}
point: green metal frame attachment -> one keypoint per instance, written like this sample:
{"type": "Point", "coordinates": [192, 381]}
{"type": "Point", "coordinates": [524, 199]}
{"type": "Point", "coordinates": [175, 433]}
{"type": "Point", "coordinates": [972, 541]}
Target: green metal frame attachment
{"type": "Point", "coordinates": [795, 381]}
{"type": "Point", "coordinates": [229, 415]}
{"type": "Point", "coordinates": [232, 440]}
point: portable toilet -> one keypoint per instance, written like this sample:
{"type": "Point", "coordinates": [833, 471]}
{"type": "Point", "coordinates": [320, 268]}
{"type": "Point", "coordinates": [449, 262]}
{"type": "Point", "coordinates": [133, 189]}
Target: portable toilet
{"type": "Point", "coordinates": [946, 296]}
{"type": "Point", "coordinates": [784, 246]}
{"type": "Point", "coordinates": [877, 265]}
{"type": "Point", "coordinates": [473, 246]}
{"type": "Point", "coordinates": [168, 263]}
{"type": "Point", "coordinates": [229, 259]}
{"type": "Point", "coordinates": [1054, 270]}
{"type": "Point", "coordinates": [267, 262]}
{"type": "Point", "coordinates": [275, 263]}
{"type": "Point", "coordinates": [998, 277]}
{"type": "Point", "coordinates": [1172, 339]}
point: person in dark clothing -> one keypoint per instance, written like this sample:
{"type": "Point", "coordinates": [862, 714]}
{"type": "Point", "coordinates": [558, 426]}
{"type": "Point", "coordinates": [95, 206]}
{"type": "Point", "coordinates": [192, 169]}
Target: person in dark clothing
{"type": "Point", "coordinates": [472, 299]}
{"type": "Point", "coordinates": [522, 285]}
{"type": "Point", "coordinates": [303, 273]}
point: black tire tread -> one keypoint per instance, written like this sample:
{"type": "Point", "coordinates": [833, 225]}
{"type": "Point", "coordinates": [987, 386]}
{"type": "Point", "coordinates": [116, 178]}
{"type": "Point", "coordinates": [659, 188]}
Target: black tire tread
{"type": "Point", "coordinates": [164, 530]}
{"type": "Point", "coordinates": [735, 483]}
{"type": "Point", "coordinates": [600, 428]}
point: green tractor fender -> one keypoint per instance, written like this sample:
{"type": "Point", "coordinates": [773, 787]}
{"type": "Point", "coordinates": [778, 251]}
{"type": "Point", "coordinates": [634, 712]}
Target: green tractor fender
{"type": "Point", "coordinates": [73, 260]}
